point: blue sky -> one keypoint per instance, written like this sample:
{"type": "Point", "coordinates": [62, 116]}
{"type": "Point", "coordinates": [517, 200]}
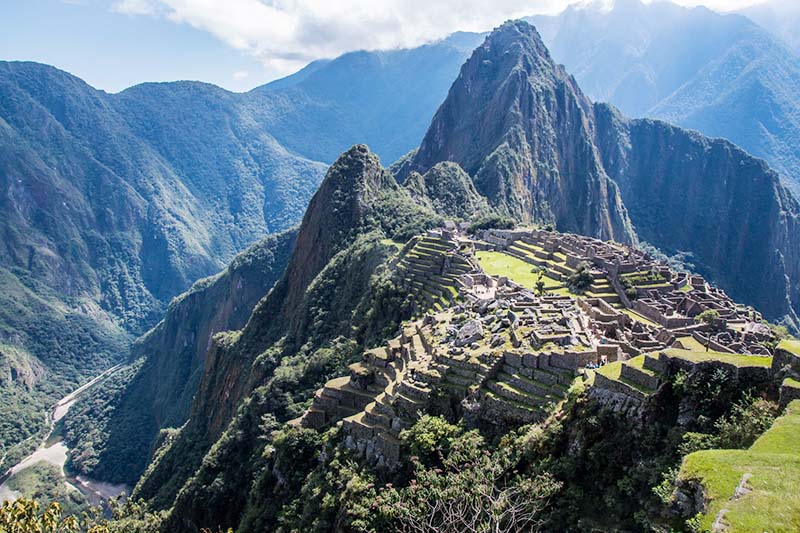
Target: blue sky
{"type": "Point", "coordinates": [236, 44]}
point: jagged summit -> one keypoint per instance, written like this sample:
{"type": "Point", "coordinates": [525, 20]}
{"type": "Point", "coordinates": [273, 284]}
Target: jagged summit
{"type": "Point", "coordinates": [519, 125]}
{"type": "Point", "coordinates": [338, 209]}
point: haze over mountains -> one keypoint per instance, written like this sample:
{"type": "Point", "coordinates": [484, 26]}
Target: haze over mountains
{"type": "Point", "coordinates": [114, 204]}
{"type": "Point", "coordinates": [719, 74]}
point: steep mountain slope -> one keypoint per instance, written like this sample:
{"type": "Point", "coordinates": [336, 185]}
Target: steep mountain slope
{"type": "Point", "coordinates": [113, 204]}
{"type": "Point", "coordinates": [354, 97]}
{"type": "Point", "coordinates": [779, 17]}
{"type": "Point", "coordinates": [302, 331]}
{"type": "Point", "coordinates": [519, 125]}
{"type": "Point", "coordinates": [109, 209]}
{"type": "Point", "coordinates": [719, 74]}
{"type": "Point", "coordinates": [686, 192]}
{"type": "Point", "coordinates": [113, 441]}
{"type": "Point", "coordinates": [447, 190]}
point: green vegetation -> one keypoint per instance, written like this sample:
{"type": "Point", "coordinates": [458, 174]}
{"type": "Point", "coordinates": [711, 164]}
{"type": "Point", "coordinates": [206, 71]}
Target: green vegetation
{"type": "Point", "coordinates": [790, 345]}
{"type": "Point", "coordinates": [772, 499]}
{"type": "Point", "coordinates": [580, 280]}
{"type": "Point", "coordinates": [492, 222]}
{"type": "Point", "coordinates": [44, 482]}
{"type": "Point", "coordinates": [731, 359]}
{"type": "Point", "coordinates": [515, 269]}
{"type": "Point", "coordinates": [45, 334]}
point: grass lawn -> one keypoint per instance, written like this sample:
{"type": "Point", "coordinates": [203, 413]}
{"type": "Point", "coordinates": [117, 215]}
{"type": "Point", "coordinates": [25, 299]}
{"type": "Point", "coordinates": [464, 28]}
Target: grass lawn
{"type": "Point", "coordinates": [733, 359]}
{"type": "Point", "coordinates": [791, 346]}
{"type": "Point", "coordinates": [690, 343]}
{"type": "Point", "coordinates": [390, 242]}
{"type": "Point", "coordinates": [639, 318]}
{"type": "Point", "coordinates": [517, 270]}
{"type": "Point", "coordinates": [773, 462]}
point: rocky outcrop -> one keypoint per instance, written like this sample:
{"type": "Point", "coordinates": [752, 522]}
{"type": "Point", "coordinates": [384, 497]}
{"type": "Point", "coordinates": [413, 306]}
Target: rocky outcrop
{"type": "Point", "coordinates": [448, 190]}
{"type": "Point", "coordinates": [160, 394]}
{"type": "Point", "coordinates": [688, 193]}
{"type": "Point", "coordinates": [520, 126]}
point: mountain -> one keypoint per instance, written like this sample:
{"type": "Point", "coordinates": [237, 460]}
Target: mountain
{"type": "Point", "coordinates": [779, 17]}
{"type": "Point", "coordinates": [112, 441]}
{"type": "Point", "coordinates": [540, 150]}
{"type": "Point", "coordinates": [333, 298]}
{"type": "Point", "coordinates": [109, 209]}
{"type": "Point", "coordinates": [332, 104]}
{"type": "Point", "coordinates": [112, 204]}
{"type": "Point", "coordinates": [520, 126]}
{"type": "Point", "coordinates": [473, 378]}
{"type": "Point", "coordinates": [719, 74]}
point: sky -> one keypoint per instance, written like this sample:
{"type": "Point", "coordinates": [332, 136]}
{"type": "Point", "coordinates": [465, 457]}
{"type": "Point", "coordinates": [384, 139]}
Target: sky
{"type": "Point", "coordinates": [237, 44]}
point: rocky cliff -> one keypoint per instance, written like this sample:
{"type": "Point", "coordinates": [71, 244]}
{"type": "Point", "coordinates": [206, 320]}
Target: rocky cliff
{"type": "Point", "coordinates": [160, 393]}
{"type": "Point", "coordinates": [521, 127]}
{"type": "Point", "coordinates": [686, 192]}
{"type": "Point", "coordinates": [332, 278]}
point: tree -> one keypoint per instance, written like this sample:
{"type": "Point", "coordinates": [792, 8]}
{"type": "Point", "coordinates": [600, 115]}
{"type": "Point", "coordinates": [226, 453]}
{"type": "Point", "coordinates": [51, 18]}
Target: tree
{"type": "Point", "coordinates": [708, 317]}
{"type": "Point", "coordinates": [475, 490]}
{"type": "Point", "coordinates": [540, 272]}
{"type": "Point", "coordinates": [581, 279]}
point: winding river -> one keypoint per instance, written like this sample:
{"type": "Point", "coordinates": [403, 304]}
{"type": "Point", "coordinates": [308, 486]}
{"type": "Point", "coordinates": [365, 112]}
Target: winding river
{"type": "Point", "coordinates": [55, 453]}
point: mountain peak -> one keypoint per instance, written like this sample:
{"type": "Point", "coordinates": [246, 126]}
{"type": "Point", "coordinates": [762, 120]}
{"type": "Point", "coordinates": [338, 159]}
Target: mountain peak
{"type": "Point", "coordinates": [521, 128]}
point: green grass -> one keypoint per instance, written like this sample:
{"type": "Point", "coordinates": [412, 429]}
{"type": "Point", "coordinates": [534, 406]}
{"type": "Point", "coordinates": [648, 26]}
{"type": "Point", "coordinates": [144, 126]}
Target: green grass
{"type": "Point", "coordinates": [790, 345]}
{"type": "Point", "coordinates": [690, 343]}
{"type": "Point", "coordinates": [639, 318]}
{"type": "Point", "coordinates": [791, 383]}
{"type": "Point", "coordinates": [774, 464]}
{"type": "Point", "coordinates": [732, 359]}
{"type": "Point", "coordinates": [613, 371]}
{"type": "Point", "coordinates": [390, 242]}
{"type": "Point", "coordinates": [517, 270]}
{"type": "Point", "coordinates": [686, 288]}
{"type": "Point", "coordinates": [638, 363]}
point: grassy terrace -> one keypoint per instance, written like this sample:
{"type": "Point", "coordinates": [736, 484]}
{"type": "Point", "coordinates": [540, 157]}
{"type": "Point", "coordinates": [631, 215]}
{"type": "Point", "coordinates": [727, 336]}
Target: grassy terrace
{"type": "Point", "coordinates": [690, 343]}
{"type": "Point", "coordinates": [791, 346]}
{"type": "Point", "coordinates": [638, 318]}
{"type": "Point", "coordinates": [517, 270]}
{"type": "Point", "coordinates": [773, 463]}
{"type": "Point", "coordinates": [613, 371]}
{"type": "Point", "coordinates": [732, 359]}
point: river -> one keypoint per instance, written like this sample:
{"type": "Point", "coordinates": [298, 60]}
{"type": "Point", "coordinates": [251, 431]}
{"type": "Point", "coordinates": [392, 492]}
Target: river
{"type": "Point", "coordinates": [55, 453]}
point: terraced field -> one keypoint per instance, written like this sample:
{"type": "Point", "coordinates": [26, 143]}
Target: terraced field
{"type": "Point", "coordinates": [528, 256]}
{"type": "Point", "coordinates": [753, 490]}
{"type": "Point", "coordinates": [429, 270]}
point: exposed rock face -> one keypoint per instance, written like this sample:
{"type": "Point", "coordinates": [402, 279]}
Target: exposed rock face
{"type": "Point", "coordinates": [686, 192]}
{"type": "Point", "coordinates": [539, 150]}
{"type": "Point", "coordinates": [160, 394]}
{"type": "Point", "coordinates": [337, 250]}
{"type": "Point", "coordinates": [519, 125]}
{"type": "Point", "coordinates": [448, 190]}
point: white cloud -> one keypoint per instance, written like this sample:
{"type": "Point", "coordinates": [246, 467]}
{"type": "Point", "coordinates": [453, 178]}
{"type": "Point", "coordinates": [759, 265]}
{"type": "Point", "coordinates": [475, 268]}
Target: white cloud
{"type": "Point", "coordinates": [136, 7]}
{"type": "Point", "coordinates": [240, 75]}
{"type": "Point", "coordinates": [286, 34]}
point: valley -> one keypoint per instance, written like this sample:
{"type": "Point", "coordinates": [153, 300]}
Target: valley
{"type": "Point", "coordinates": [54, 451]}
{"type": "Point", "coordinates": [521, 310]}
